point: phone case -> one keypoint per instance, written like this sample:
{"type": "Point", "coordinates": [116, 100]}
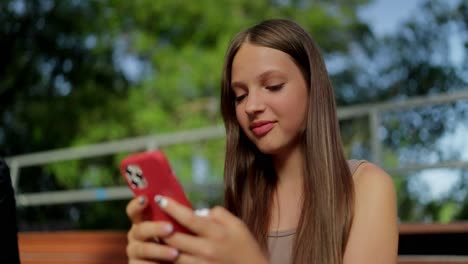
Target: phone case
{"type": "Point", "coordinates": [150, 174]}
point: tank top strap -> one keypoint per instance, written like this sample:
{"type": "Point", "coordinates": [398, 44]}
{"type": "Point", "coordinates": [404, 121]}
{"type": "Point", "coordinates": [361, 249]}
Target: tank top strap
{"type": "Point", "coordinates": [354, 164]}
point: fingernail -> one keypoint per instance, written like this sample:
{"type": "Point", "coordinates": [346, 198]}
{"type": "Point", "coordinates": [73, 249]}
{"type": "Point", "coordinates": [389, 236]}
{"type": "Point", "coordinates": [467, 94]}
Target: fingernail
{"type": "Point", "coordinates": [169, 228]}
{"type": "Point", "coordinates": [174, 253]}
{"type": "Point", "coordinates": [159, 199]}
{"type": "Point", "coordinates": [141, 200]}
{"type": "Point", "coordinates": [202, 212]}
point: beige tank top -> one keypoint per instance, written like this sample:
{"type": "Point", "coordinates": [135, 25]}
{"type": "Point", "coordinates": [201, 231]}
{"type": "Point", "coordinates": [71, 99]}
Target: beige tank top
{"type": "Point", "coordinates": [280, 242]}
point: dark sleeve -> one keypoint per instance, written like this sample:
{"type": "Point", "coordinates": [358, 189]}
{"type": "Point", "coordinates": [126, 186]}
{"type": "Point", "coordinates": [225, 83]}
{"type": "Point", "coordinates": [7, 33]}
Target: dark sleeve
{"type": "Point", "coordinates": [8, 226]}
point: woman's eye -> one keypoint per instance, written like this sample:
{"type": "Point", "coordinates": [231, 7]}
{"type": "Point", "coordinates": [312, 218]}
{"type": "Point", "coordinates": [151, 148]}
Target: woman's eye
{"type": "Point", "coordinates": [275, 87]}
{"type": "Point", "coordinates": [239, 98]}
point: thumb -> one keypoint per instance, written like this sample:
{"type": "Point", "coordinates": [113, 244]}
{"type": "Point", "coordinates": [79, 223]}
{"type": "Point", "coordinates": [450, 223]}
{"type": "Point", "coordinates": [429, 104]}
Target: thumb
{"type": "Point", "coordinates": [135, 209]}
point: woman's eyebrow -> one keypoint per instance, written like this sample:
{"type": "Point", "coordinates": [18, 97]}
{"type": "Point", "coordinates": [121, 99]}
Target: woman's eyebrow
{"type": "Point", "coordinates": [238, 84]}
{"type": "Point", "coordinates": [261, 77]}
{"type": "Point", "coordinates": [269, 73]}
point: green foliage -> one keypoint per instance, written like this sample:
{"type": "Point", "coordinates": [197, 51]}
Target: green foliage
{"type": "Point", "coordinates": [416, 60]}
{"type": "Point", "coordinates": [71, 87]}
{"type": "Point", "coordinates": [83, 72]}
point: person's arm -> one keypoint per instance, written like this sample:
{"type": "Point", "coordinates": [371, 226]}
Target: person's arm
{"type": "Point", "coordinates": [374, 233]}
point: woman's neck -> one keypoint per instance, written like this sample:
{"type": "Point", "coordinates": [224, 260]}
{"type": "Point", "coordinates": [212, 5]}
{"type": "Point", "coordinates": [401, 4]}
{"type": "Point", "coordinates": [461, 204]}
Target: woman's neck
{"type": "Point", "coordinates": [289, 168]}
{"type": "Point", "coordinates": [287, 200]}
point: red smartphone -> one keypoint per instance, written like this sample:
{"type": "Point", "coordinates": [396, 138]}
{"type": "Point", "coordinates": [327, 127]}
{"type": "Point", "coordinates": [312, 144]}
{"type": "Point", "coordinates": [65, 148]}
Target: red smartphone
{"type": "Point", "coordinates": [150, 174]}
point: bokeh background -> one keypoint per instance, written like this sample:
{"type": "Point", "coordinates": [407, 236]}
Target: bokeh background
{"type": "Point", "coordinates": [85, 83]}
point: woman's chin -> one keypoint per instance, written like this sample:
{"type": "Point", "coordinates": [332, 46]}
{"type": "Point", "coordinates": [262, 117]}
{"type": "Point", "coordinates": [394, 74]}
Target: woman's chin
{"type": "Point", "coordinates": [268, 149]}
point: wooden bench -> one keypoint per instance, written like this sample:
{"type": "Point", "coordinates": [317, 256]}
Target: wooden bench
{"type": "Point", "coordinates": [432, 259]}
{"type": "Point", "coordinates": [72, 247]}
{"type": "Point", "coordinates": [419, 244]}
{"type": "Point", "coordinates": [434, 239]}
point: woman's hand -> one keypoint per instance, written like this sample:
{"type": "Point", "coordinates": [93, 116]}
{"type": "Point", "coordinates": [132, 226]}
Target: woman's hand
{"type": "Point", "coordinates": [143, 235]}
{"type": "Point", "coordinates": [220, 236]}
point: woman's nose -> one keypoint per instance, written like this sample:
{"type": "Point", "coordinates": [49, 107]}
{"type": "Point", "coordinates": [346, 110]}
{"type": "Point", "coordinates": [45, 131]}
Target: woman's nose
{"type": "Point", "coordinates": [254, 103]}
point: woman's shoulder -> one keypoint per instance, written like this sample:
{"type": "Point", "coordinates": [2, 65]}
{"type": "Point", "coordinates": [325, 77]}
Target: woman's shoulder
{"type": "Point", "coordinates": [371, 184]}
{"type": "Point", "coordinates": [374, 233]}
{"type": "Point", "coordinates": [367, 174]}
{"type": "Point", "coordinates": [374, 191]}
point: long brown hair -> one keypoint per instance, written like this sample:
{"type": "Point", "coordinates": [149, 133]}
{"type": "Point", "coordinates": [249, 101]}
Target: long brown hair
{"type": "Point", "coordinates": [250, 179]}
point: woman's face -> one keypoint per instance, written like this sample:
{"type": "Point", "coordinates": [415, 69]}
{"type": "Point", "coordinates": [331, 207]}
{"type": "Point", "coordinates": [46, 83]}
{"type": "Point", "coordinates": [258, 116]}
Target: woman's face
{"type": "Point", "coordinates": [271, 97]}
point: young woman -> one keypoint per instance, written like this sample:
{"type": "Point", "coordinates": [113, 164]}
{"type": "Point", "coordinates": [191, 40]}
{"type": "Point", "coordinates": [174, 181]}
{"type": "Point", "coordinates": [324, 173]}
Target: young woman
{"type": "Point", "coordinates": [290, 194]}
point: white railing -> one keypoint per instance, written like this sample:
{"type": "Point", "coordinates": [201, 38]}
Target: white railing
{"type": "Point", "coordinates": [373, 111]}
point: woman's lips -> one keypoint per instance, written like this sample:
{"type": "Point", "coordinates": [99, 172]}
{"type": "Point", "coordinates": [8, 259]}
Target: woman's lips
{"type": "Point", "coordinates": [262, 128]}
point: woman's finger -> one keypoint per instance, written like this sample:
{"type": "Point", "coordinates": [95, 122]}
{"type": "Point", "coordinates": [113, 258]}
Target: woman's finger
{"type": "Point", "coordinates": [200, 225]}
{"type": "Point", "coordinates": [148, 250]}
{"type": "Point", "coordinates": [135, 209]}
{"type": "Point", "coordinates": [189, 259]}
{"type": "Point", "coordinates": [149, 230]}
{"type": "Point", "coordinates": [192, 245]}
{"type": "Point", "coordinates": [224, 217]}
{"type": "Point", "coordinates": [139, 261]}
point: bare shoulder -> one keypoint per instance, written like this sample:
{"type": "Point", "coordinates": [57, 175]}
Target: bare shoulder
{"type": "Point", "coordinates": [370, 178]}
{"type": "Point", "coordinates": [375, 195]}
{"type": "Point", "coordinates": [373, 236]}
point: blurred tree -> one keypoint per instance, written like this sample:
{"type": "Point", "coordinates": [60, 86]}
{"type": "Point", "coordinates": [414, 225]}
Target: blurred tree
{"type": "Point", "coordinates": [426, 56]}
{"type": "Point", "coordinates": [82, 72]}
{"type": "Point", "coordinates": [57, 69]}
